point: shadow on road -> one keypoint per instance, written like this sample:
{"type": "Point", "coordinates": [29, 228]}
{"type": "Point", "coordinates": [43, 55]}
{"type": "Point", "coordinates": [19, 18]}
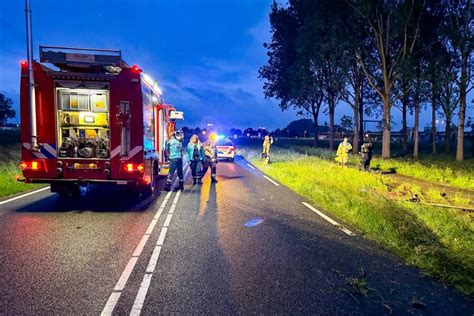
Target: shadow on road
{"type": "Point", "coordinates": [96, 199]}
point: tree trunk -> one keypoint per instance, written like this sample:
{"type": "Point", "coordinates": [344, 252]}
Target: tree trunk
{"type": "Point", "coordinates": [416, 132]}
{"type": "Point", "coordinates": [386, 127]}
{"type": "Point", "coordinates": [361, 119]}
{"type": "Point", "coordinates": [315, 113]}
{"type": "Point", "coordinates": [447, 131]}
{"type": "Point", "coordinates": [433, 118]}
{"type": "Point", "coordinates": [404, 123]}
{"type": "Point", "coordinates": [462, 107]}
{"type": "Point", "coordinates": [331, 127]}
{"type": "Point", "coordinates": [416, 104]}
{"type": "Point", "coordinates": [355, 140]}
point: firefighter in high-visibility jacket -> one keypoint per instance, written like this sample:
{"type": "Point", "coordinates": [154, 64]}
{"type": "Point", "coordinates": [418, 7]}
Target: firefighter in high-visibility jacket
{"type": "Point", "coordinates": [266, 146]}
{"type": "Point", "coordinates": [174, 154]}
{"type": "Point", "coordinates": [342, 154]}
{"type": "Point", "coordinates": [210, 157]}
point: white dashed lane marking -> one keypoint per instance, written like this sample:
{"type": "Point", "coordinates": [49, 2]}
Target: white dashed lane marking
{"type": "Point", "coordinates": [275, 183]}
{"type": "Point", "coordinates": [330, 220]}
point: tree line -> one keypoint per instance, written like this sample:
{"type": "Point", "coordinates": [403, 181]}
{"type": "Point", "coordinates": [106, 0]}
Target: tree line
{"type": "Point", "coordinates": [373, 55]}
{"type": "Point", "coordinates": [6, 110]}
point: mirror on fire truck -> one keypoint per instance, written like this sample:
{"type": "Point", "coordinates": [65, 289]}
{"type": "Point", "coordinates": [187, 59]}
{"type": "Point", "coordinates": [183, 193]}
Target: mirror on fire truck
{"type": "Point", "coordinates": [177, 115]}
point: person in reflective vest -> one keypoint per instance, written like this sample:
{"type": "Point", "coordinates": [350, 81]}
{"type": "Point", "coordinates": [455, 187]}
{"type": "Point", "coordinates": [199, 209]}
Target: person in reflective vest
{"type": "Point", "coordinates": [342, 154]}
{"type": "Point", "coordinates": [210, 157]}
{"type": "Point", "coordinates": [267, 143]}
{"type": "Point", "coordinates": [174, 154]}
{"type": "Point", "coordinates": [366, 153]}
{"type": "Point", "coordinates": [195, 157]}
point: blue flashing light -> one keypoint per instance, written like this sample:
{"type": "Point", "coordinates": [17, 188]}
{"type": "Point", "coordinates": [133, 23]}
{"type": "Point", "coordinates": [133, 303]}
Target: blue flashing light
{"type": "Point", "coordinates": [220, 137]}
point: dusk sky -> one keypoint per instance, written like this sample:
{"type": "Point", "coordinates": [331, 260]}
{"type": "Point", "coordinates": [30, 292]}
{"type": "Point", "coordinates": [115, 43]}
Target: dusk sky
{"type": "Point", "coordinates": [205, 54]}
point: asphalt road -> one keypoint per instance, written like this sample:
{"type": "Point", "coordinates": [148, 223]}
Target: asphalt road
{"type": "Point", "coordinates": [245, 245]}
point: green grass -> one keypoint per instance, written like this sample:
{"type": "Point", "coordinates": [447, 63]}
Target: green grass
{"type": "Point", "coordinates": [442, 169]}
{"type": "Point", "coordinates": [437, 169]}
{"type": "Point", "coordinates": [9, 160]}
{"type": "Point", "coordinates": [8, 183]}
{"type": "Point", "coordinates": [439, 241]}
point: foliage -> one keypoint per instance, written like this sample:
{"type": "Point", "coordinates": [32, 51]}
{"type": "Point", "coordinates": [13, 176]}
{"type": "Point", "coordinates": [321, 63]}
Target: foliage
{"type": "Point", "coordinates": [325, 50]}
{"type": "Point", "coordinates": [6, 111]}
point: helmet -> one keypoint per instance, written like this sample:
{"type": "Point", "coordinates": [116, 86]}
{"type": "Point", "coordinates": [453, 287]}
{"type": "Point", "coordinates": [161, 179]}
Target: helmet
{"type": "Point", "coordinates": [178, 134]}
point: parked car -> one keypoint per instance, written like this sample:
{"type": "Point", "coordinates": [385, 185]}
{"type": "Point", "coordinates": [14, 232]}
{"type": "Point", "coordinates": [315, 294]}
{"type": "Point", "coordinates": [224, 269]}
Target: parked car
{"type": "Point", "coordinates": [225, 149]}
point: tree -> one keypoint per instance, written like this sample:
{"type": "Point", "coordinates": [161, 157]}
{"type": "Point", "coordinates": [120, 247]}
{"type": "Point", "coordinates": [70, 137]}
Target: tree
{"type": "Point", "coordinates": [448, 98]}
{"type": "Point", "coordinates": [322, 45]}
{"type": "Point", "coordinates": [431, 49]}
{"type": "Point", "coordinates": [288, 76]}
{"type": "Point", "coordinates": [299, 127]}
{"type": "Point", "coordinates": [6, 111]}
{"type": "Point", "coordinates": [235, 131]}
{"type": "Point", "coordinates": [185, 130]}
{"type": "Point", "coordinates": [404, 92]}
{"type": "Point", "coordinates": [393, 31]}
{"type": "Point", "coordinates": [459, 31]}
{"type": "Point", "coordinates": [347, 123]}
{"type": "Point", "coordinates": [249, 131]}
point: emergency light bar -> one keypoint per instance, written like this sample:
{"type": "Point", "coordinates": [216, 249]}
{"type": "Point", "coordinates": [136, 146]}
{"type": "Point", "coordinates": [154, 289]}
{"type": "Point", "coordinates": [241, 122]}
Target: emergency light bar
{"type": "Point", "coordinates": [64, 57]}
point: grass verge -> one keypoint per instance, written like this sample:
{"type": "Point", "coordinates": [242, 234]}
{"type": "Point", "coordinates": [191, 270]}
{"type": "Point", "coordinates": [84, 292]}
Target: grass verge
{"type": "Point", "coordinates": [9, 159]}
{"type": "Point", "coordinates": [439, 241]}
{"type": "Point", "coordinates": [8, 183]}
{"type": "Point", "coordinates": [441, 169]}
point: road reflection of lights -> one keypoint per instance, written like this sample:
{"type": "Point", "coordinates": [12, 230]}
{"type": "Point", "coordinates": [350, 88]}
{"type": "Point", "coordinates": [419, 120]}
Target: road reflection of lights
{"type": "Point", "coordinates": [253, 222]}
{"type": "Point", "coordinates": [83, 190]}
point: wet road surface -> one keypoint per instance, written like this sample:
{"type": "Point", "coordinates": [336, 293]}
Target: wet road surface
{"type": "Point", "coordinates": [245, 245]}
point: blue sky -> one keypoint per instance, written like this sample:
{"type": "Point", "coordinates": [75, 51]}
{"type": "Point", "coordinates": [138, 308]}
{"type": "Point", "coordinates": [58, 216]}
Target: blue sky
{"type": "Point", "coordinates": [204, 53]}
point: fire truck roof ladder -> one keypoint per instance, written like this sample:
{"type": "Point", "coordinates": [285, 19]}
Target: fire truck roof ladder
{"type": "Point", "coordinates": [83, 59]}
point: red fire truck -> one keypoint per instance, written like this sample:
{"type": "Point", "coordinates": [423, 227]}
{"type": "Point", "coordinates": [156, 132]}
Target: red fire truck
{"type": "Point", "coordinates": [96, 120]}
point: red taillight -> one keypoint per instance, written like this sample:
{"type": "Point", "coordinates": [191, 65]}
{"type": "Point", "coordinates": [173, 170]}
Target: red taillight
{"type": "Point", "coordinates": [34, 165]}
{"type": "Point", "coordinates": [24, 63]}
{"type": "Point", "coordinates": [136, 69]}
{"type": "Point", "coordinates": [130, 167]}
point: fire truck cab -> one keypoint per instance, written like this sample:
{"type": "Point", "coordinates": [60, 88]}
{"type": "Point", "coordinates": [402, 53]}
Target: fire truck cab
{"type": "Point", "coordinates": [98, 120]}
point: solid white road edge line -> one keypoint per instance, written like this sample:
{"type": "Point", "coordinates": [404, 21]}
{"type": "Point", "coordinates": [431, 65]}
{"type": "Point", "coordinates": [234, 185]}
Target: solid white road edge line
{"type": "Point", "coordinates": [330, 220]}
{"type": "Point", "coordinates": [250, 166]}
{"type": "Point", "coordinates": [23, 195]}
{"type": "Point", "coordinates": [125, 274]}
{"type": "Point", "coordinates": [142, 292]}
{"type": "Point", "coordinates": [271, 180]}
{"type": "Point", "coordinates": [110, 305]}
